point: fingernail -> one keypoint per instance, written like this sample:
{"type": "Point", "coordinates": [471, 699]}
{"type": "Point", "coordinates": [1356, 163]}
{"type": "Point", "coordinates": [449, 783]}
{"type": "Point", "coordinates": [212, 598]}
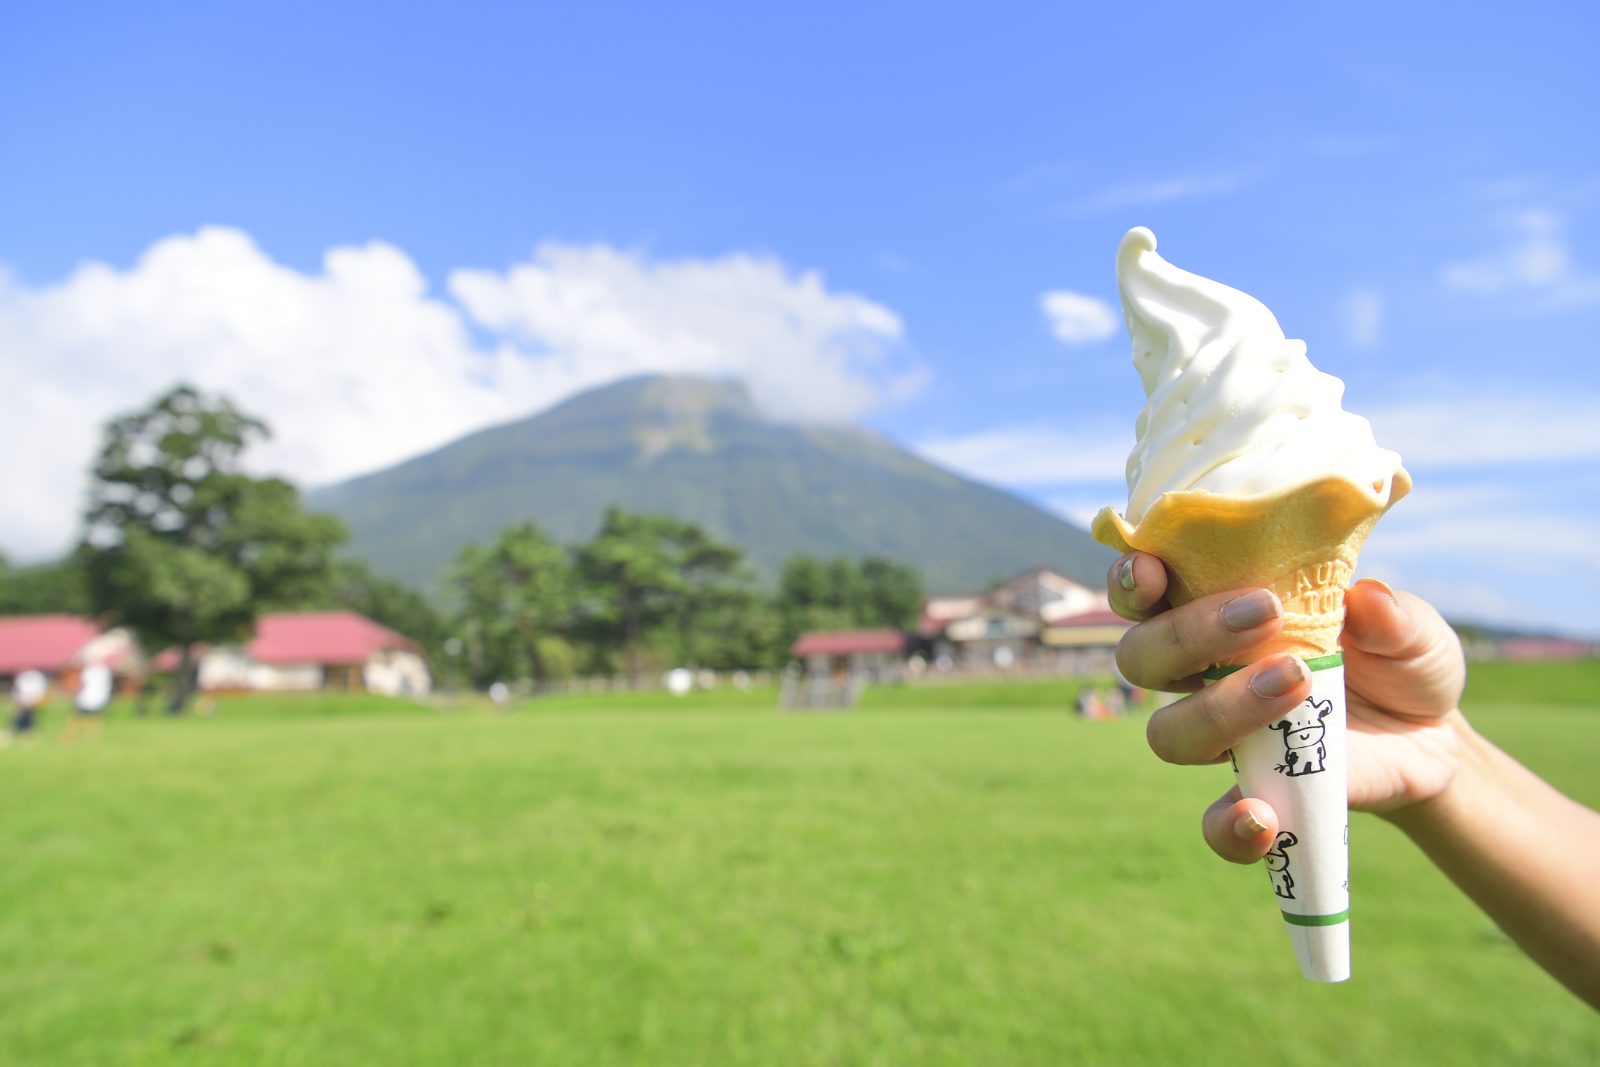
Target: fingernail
{"type": "Point", "coordinates": [1247, 826]}
{"type": "Point", "coordinates": [1278, 678]}
{"type": "Point", "coordinates": [1125, 574]}
{"type": "Point", "coordinates": [1249, 611]}
{"type": "Point", "coordinates": [1388, 592]}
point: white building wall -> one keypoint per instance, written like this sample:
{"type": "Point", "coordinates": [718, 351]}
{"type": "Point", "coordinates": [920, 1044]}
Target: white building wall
{"type": "Point", "coordinates": [294, 677]}
{"type": "Point", "coordinates": [390, 672]}
{"type": "Point", "coordinates": [1075, 600]}
{"type": "Point", "coordinates": [224, 668]}
{"type": "Point", "coordinates": [395, 673]}
{"type": "Point", "coordinates": [230, 668]}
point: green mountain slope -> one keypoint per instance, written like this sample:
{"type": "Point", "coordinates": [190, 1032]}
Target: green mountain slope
{"type": "Point", "coordinates": [698, 449]}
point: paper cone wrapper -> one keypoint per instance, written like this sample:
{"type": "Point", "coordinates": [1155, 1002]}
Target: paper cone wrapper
{"type": "Point", "coordinates": [1302, 544]}
{"type": "Point", "coordinates": [1298, 765]}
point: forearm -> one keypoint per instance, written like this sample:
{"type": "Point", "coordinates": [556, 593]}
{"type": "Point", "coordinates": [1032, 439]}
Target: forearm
{"type": "Point", "coordinates": [1525, 854]}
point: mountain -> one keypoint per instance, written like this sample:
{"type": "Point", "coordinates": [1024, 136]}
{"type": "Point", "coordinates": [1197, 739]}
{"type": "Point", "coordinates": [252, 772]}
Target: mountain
{"type": "Point", "coordinates": [699, 449]}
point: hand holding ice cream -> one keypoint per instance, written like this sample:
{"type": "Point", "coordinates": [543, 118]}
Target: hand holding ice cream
{"type": "Point", "coordinates": [1502, 835]}
{"type": "Point", "coordinates": [1249, 472]}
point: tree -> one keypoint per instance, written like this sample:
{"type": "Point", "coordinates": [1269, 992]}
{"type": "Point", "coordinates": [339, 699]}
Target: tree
{"type": "Point", "coordinates": [181, 545]}
{"type": "Point", "coordinates": [890, 593]}
{"type": "Point", "coordinates": [809, 598]}
{"type": "Point", "coordinates": [733, 627]}
{"type": "Point", "coordinates": [644, 570]}
{"type": "Point", "coordinates": [516, 594]}
{"type": "Point", "coordinates": [841, 594]}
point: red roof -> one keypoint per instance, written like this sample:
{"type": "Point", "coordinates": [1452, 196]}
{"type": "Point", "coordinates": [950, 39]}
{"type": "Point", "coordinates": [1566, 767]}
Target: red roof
{"type": "Point", "coordinates": [336, 637]}
{"type": "Point", "coordinates": [1098, 617]}
{"type": "Point", "coordinates": [846, 642]}
{"type": "Point", "coordinates": [43, 642]}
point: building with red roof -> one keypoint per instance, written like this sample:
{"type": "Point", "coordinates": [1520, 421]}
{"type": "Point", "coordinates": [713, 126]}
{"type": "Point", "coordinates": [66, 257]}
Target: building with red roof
{"type": "Point", "coordinates": [314, 650]}
{"type": "Point", "coordinates": [839, 662]}
{"type": "Point", "coordinates": [56, 645]}
{"type": "Point", "coordinates": [1041, 619]}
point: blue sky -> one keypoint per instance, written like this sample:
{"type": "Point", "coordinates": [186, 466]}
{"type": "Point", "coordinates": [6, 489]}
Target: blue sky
{"type": "Point", "coordinates": [382, 225]}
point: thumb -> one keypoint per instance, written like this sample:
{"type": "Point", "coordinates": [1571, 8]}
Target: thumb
{"type": "Point", "coordinates": [1376, 620]}
{"type": "Point", "coordinates": [1399, 647]}
{"type": "Point", "coordinates": [1239, 829]}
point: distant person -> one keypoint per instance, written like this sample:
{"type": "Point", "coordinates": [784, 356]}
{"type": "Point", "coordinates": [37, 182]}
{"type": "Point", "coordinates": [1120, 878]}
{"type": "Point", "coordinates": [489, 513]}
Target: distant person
{"type": "Point", "coordinates": [1115, 702]}
{"type": "Point", "coordinates": [27, 694]}
{"type": "Point", "coordinates": [95, 686]}
{"type": "Point", "coordinates": [1092, 705]}
{"type": "Point", "coordinates": [1525, 854]}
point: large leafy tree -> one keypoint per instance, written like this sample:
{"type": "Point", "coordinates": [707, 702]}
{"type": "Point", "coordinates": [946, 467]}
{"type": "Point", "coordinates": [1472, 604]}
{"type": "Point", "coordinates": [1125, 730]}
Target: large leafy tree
{"type": "Point", "coordinates": [733, 627]}
{"type": "Point", "coordinates": [842, 594]}
{"type": "Point", "coordinates": [181, 545]}
{"type": "Point", "coordinates": [642, 571]}
{"type": "Point", "coordinates": [888, 593]}
{"type": "Point", "coordinates": [516, 594]}
{"type": "Point", "coordinates": [810, 598]}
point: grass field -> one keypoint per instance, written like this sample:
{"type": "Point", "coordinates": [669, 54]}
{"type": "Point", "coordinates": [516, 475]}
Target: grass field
{"type": "Point", "coordinates": [942, 877]}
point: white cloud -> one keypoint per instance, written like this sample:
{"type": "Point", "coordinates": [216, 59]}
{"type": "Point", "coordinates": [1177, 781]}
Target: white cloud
{"type": "Point", "coordinates": [357, 366]}
{"type": "Point", "coordinates": [1536, 262]}
{"type": "Point", "coordinates": [1077, 319]}
{"type": "Point", "coordinates": [1490, 428]}
{"type": "Point", "coordinates": [599, 313]}
{"type": "Point", "coordinates": [1193, 186]}
{"type": "Point", "coordinates": [1363, 317]}
{"type": "Point", "coordinates": [1034, 457]}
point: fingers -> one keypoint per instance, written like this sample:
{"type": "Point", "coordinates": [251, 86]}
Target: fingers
{"type": "Point", "coordinates": [1379, 622]}
{"type": "Point", "coordinates": [1202, 726]}
{"type": "Point", "coordinates": [1137, 585]}
{"type": "Point", "coordinates": [1399, 649]}
{"type": "Point", "coordinates": [1170, 649]}
{"type": "Point", "coordinates": [1239, 829]}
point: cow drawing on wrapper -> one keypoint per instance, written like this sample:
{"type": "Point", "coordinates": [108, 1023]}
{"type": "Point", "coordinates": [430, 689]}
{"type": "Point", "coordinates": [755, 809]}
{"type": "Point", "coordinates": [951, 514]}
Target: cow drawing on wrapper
{"type": "Point", "coordinates": [1303, 735]}
{"type": "Point", "coordinates": [1278, 865]}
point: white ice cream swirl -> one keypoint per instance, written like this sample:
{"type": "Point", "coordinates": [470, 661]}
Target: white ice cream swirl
{"type": "Point", "coordinates": [1234, 407]}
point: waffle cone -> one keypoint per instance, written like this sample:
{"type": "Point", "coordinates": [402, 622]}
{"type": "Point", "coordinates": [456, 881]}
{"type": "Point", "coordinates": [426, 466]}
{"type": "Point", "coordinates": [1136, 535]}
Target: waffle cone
{"type": "Point", "coordinates": [1300, 543]}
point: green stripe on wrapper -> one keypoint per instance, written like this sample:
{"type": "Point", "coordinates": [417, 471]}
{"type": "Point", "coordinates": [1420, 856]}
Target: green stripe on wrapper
{"type": "Point", "coordinates": [1317, 920]}
{"type": "Point", "coordinates": [1319, 663]}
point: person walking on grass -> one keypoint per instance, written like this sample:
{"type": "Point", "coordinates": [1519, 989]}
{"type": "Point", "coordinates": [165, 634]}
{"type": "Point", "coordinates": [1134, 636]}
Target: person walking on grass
{"type": "Point", "coordinates": [95, 684]}
{"type": "Point", "coordinates": [27, 693]}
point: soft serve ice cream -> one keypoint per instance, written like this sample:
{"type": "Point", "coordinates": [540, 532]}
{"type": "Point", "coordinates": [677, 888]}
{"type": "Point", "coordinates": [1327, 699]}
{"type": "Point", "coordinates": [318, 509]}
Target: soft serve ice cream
{"type": "Point", "coordinates": [1234, 406]}
{"type": "Point", "coordinates": [1249, 472]}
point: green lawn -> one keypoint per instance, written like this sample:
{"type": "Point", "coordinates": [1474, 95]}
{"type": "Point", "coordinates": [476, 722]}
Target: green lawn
{"type": "Point", "coordinates": [950, 879]}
